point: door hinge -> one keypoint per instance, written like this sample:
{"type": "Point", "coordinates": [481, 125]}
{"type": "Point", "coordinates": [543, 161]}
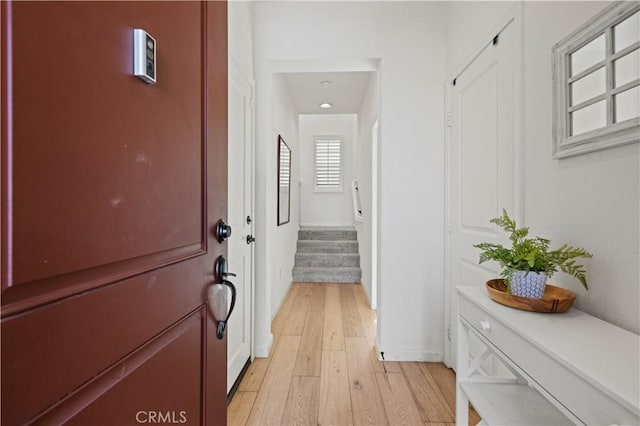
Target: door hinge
{"type": "Point", "coordinates": [449, 119]}
{"type": "Point", "coordinates": [449, 228]}
{"type": "Point", "coordinates": [252, 103]}
{"type": "Point", "coordinates": [449, 334]}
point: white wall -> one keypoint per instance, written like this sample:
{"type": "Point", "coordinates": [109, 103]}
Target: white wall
{"type": "Point", "coordinates": [468, 23]}
{"type": "Point", "coordinates": [408, 37]}
{"type": "Point", "coordinates": [591, 200]}
{"type": "Point", "coordinates": [240, 28]}
{"type": "Point", "coordinates": [369, 112]}
{"type": "Point", "coordinates": [282, 244]}
{"type": "Point", "coordinates": [326, 208]}
{"type": "Point", "coordinates": [275, 245]}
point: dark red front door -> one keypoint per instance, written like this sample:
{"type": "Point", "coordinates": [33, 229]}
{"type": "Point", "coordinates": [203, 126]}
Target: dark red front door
{"type": "Point", "coordinates": [110, 191]}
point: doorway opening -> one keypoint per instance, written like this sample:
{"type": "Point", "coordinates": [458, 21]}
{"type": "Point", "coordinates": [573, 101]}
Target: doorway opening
{"type": "Point", "coordinates": [283, 93]}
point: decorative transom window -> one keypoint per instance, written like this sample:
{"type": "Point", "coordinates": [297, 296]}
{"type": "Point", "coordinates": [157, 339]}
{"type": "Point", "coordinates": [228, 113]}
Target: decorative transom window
{"type": "Point", "coordinates": [328, 151]}
{"type": "Point", "coordinates": [596, 83]}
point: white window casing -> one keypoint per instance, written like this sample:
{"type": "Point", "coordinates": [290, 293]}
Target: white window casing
{"type": "Point", "coordinates": [596, 83]}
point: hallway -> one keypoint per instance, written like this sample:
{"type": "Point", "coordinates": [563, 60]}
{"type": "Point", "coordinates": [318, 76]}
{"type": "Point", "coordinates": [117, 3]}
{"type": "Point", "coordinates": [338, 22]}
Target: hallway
{"type": "Point", "coordinates": [323, 370]}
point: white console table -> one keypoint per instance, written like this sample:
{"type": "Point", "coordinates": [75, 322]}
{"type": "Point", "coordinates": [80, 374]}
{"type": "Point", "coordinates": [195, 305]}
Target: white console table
{"type": "Point", "coordinates": [569, 368]}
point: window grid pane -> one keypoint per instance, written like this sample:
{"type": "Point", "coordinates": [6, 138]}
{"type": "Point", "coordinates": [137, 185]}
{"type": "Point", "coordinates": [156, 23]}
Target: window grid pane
{"type": "Point", "coordinates": [627, 104]}
{"type": "Point", "coordinates": [627, 32]}
{"type": "Point", "coordinates": [588, 55]}
{"type": "Point", "coordinates": [589, 86]}
{"type": "Point", "coordinates": [627, 68]}
{"type": "Point", "coordinates": [586, 118]}
{"type": "Point", "coordinates": [594, 116]}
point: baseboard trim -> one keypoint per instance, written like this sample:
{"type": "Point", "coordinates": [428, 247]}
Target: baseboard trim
{"type": "Point", "coordinates": [407, 355]}
{"type": "Point", "coordinates": [284, 296]}
{"type": "Point", "coordinates": [264, 351]}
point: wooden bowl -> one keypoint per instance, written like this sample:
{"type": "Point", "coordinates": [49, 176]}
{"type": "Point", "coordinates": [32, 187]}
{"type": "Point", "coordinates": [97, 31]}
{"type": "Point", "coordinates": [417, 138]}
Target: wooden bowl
{"type": "Point", "coordinates": [555, 299]}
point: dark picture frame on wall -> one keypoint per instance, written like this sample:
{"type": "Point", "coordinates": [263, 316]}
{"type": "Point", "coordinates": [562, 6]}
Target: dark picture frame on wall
{"type": "Point", "coordinates": [284, 182]}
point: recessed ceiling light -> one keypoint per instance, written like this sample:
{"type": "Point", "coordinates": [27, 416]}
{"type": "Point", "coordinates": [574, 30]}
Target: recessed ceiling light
{"type": "Point", "coordinates": [325, 105]}
{"type": "Point", "coordinates": [325, 83]}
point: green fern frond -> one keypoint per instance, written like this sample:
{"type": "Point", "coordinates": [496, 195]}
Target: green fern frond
{"type": "Point", "coordinates": [570, 252]}
{"type": "Point", "coordinates": [531, 254]}
{"type": "Point", "coordinates": [509, 225]}
{"type": "Point", "coordinates": [505, 222]}
{"type": "Point", "coordinates": [575, 270]}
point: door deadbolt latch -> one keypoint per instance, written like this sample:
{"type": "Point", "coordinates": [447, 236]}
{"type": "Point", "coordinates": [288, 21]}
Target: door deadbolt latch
{"type": "Point", "coordinates": [223, 231]}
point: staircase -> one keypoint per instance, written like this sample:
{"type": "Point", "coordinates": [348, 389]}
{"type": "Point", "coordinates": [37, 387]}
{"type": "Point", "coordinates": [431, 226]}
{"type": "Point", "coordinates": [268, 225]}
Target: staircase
{"type": "Point", "coordinates": [327, 255]}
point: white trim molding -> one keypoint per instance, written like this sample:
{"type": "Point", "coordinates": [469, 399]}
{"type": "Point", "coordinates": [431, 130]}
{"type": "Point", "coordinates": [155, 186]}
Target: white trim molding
{"type": "Point", "coordinates": [409, 355]}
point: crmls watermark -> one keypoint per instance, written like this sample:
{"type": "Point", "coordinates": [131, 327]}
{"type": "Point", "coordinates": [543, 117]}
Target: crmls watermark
{"type": "Point", "coordinates": [152, 416]}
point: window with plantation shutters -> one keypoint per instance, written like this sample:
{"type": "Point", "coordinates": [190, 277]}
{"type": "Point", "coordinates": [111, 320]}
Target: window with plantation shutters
{"type": "Point", "coordinates": [328, 152]}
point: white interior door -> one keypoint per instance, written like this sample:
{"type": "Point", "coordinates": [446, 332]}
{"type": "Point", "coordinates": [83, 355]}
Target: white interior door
{"type": "Point", "coordinates": [481, 166]}
{"type": "Point", "coordinates": [240, 217]}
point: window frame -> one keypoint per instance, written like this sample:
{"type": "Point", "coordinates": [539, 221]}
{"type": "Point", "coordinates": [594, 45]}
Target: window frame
{"type": "Point", "coordinates": [340, 140]}
{"type": "Point", "coordinates": [612, 134]}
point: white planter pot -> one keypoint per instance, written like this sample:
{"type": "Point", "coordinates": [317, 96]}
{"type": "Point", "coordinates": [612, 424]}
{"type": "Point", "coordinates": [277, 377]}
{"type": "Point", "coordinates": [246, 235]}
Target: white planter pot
{"type": "Point", "coordinates": [528, 284]}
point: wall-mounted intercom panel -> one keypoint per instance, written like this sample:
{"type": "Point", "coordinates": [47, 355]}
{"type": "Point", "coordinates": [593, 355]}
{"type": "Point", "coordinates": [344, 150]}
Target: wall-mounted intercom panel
{"type": "Point", "coordinates": [144, 56]}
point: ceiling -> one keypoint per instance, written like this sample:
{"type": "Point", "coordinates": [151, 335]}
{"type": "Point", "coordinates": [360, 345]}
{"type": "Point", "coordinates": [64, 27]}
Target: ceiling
{"type": "Point", "coordinates": [345, 93]}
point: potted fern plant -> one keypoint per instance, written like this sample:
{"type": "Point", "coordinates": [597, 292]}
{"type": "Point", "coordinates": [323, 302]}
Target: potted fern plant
{"type": "Point", "coordinates": [529, 263]}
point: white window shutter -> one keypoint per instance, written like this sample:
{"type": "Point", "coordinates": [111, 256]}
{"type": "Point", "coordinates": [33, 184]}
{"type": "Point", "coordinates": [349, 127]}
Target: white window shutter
{"type": "Point", "coordinates": [328, 163]}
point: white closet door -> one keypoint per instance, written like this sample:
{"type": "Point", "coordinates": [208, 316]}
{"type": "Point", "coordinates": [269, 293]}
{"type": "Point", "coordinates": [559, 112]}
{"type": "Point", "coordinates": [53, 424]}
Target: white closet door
{"type": "Point", "coordinates": [481, 165]}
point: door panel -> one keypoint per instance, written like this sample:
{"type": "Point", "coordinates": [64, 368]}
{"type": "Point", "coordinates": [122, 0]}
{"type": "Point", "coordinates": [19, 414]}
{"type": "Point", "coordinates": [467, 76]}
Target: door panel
{"type": "Point", "coordinates": [96, 119]}
{"type": "Point", "coordinates": [481, 158]}
{"type": "Point", "coordinates": [86, 334]}
{"type": "Point", "coordinates": [240, 206]}
{"type": "Point", "coordinates": [170, 360]}
{"type": "Point", "coordinates": [478, 148]}
{"type": "Point", "coordinates": [111, 188]}
{"type": "Point", "coordinates": [99, 159]}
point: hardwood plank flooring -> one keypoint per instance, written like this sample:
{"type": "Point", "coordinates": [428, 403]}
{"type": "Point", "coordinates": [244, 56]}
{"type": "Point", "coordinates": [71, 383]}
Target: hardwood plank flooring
{"type": "Point", "coordinates": [335, 399]}
{"type": "Point", "coordinates": [310, 353]}
{"type": "Point", "coordinates": [383, 366]}
{"type": "Point", "coordinates": [302, 404]}
{"type": "Point", "coordinates": [298, 314]}
{"type": "Point", "coordinates": [278, 323]}
{"type": "Point", "coordinates": [445, 378]}
{"type": "Point", "coordinates": [367, 314]}
{"type": "Point", "coordinates": [366, 400]}
{"type": "Point", "coordinates": [399, 403]}
{"type": "Point", "coordinates": [324, 370]}
{"type": "Point", "coordinates": [350, 314]}
{"type": "Point", "coordinates": [240, 407]}
{"type": "Point", "coordinates": [255, 374]}
{"type": "Point", "coordinates": [317, 298]}
{"type": "Point", "coordinates": [268, 408]}
{"type": "Point", "coordinates": [431, 402]}
{"type": "Point", "coordinates": [333, 334]}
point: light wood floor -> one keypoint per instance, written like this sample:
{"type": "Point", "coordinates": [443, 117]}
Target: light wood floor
{"type": "Point", "coordinates": [323, 370]}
